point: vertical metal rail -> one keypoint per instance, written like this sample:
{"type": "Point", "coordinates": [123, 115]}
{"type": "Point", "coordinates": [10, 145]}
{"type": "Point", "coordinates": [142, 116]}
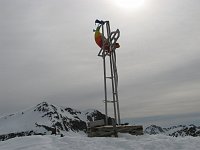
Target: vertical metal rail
{"type": "Point", "coordinates": [105, 82]}
{"type": "Point", "coordinates": [116, 85]}
{"type": "Point", "coordinates": [112, 72]}
{"type": "Point", "coordinates": [112, 77]}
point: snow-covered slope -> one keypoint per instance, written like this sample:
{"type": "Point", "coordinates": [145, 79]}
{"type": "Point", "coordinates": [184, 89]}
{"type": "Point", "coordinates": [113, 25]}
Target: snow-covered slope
{"type": "Point", "coordinates": [81, 142]}
{"type": "Point", "coordinates": [46, 119]}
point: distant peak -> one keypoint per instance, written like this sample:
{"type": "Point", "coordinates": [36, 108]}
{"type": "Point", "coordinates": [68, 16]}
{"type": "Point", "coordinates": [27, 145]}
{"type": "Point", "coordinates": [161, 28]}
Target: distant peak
{"type": "Point", "coordinates": [45, 107]}
{"type": "Point", "coordinates": [43, 104]}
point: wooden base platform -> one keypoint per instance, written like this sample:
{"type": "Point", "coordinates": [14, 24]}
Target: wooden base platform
{"type": "Point", "coordinates": [110, 131]}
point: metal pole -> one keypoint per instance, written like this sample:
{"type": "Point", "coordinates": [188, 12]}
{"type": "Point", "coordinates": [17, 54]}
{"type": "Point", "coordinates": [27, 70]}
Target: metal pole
{"type": "Point", "coordinates": [116, 86]}
{"type": "Point", "coordinates": [113, 88]}
{"type": "Point", "coordinates": [105, 83]}
{"type": "Point", "coordinates": [111, 70]}
{"type": "Point", "coordinates": [105, 90]}
{"type": "Point", "coordinates": [113, 93]}
{"type": "Point", "coordinates": [112, 77]}
{"type": "Point", "coordinates": [115, 77]}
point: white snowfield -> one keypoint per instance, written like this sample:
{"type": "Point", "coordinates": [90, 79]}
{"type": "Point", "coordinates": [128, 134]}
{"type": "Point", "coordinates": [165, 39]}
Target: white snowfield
{"type": "Point", "coordinates": [81, 142]}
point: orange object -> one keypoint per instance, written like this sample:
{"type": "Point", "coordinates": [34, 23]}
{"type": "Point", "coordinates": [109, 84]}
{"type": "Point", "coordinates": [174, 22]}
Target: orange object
{"type": "Point", "coordinates": [99, 42]}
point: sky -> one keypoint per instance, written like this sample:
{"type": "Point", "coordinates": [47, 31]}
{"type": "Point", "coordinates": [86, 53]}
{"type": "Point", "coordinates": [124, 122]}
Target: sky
{"type": "Point", "coordinates": [48, 53]}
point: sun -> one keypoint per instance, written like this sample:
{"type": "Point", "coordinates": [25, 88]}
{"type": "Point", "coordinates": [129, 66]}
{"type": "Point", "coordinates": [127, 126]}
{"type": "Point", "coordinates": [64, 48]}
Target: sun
{"type": "Point", "coordinates": [129, 4]}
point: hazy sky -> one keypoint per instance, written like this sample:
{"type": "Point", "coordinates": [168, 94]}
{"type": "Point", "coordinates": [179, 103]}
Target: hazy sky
{"type": "Point", "coordinates": [48, 53]}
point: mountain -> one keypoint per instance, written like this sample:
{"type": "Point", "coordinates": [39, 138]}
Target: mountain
{"type": "Point", "coordinates": [45, 119]}
{"type": "Point", "coordinates": [153, 129]}
{"type": "Point", "coordinates": [180, 130]}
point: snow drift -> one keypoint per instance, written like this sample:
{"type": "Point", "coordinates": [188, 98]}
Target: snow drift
{"type": "Point", "coordinates": [81, 142]}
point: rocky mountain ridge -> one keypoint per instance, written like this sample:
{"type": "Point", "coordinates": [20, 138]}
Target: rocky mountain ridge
{"type": "Point", "coordinates": [175, 131]}
{"type": "Point", "coordinates": [45, 119]}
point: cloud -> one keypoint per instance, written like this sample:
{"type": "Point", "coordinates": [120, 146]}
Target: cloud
{"type": "Point", "coordinates": [47, 50]}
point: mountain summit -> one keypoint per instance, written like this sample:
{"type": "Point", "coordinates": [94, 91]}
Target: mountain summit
{"type": "Point", "coordinates": [46, 118]}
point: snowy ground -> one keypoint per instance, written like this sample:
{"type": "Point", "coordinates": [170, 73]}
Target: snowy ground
{"type": "Point", "coordinates": [81, 142]}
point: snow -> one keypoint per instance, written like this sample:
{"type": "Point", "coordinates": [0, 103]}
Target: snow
{"type": "Point", "coordinates": [74, 141]}
{"type": "Point", "coordinates": [22, 121]}
{"type": "Point", "coordinates": [26, 120]}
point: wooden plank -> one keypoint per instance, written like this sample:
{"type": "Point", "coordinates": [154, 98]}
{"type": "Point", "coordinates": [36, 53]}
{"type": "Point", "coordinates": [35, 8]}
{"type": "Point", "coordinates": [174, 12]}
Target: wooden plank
{"type": "Point", "coordinates": [96, 123]}
{"type": "Point", "coordinates": [109, 130]}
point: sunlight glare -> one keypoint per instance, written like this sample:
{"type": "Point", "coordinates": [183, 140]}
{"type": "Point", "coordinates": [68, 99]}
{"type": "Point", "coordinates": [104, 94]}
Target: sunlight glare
{"type": "Point", "coordinates": [129, 4]}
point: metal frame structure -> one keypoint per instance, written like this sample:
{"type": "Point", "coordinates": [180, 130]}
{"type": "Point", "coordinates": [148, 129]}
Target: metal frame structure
{"type": "Point", "coordinates": [109, 39]}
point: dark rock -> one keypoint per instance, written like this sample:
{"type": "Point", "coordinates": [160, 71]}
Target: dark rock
{"type": "Point", "coordinates": [153, 129]}
{"type": "Point", "coordinates": [72, 111]}
{"type": "Point", "coordinates": [18, 134]}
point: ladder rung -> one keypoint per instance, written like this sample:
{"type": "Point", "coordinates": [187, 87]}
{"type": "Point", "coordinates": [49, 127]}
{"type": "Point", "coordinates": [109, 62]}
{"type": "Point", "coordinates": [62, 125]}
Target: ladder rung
{"type": "Point", "coordinates": [109, 101]}
{"type": "Point", "coordinates": [109, 77]}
